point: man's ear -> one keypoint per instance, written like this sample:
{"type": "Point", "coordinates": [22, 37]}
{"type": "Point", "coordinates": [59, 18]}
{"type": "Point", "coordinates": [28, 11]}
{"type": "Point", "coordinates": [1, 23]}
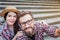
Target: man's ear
{"type": "Point", "coordinates": [19, 24]}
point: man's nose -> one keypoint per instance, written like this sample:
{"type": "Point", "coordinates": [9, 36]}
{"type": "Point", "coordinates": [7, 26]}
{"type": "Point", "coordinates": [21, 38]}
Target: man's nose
{"type": "Point", "coordinates": [27, 25]}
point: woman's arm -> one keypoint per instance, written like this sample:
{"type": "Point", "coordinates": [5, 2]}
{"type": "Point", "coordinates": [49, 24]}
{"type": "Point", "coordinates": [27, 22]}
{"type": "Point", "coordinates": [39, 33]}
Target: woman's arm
{"type": "Point", "coordinates": [19, 33]}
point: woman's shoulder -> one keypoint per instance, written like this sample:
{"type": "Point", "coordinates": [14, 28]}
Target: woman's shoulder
{"type": "Point", "coordinates": [3, 26]}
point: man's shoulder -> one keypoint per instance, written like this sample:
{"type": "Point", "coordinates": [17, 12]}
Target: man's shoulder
{"type": "Point", "coordinates": [41, 24]}
{"type": "Point", "coordinates": [37, 24]}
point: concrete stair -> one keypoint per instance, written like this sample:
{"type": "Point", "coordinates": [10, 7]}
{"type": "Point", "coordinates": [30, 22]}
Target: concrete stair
{"type": "Point", "coordinates": [48, 11]}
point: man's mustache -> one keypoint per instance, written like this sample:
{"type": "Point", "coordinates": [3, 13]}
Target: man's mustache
{"type": "Point", "coordinates": [27, 28]}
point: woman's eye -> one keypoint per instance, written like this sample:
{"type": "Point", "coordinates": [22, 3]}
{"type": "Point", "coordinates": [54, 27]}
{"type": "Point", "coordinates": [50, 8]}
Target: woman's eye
{"type": "Point", "coordinates": [9, 15]}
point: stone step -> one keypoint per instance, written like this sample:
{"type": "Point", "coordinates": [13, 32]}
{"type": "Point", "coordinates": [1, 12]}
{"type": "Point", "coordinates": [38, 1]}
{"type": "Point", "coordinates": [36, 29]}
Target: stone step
{"type": "Point", "coordinates": [39, 10]}
{"type": "Point", "coordinates": [28, 3]}
{"type": "Point", "coordinates": [45, 1]}
{"type": "Point", "coordinates": [34, 1]}
{"type": "Point", "coordinates": [48, 15]}
{"type": "Point", "coordinates": [31, 7]}
{"type": "Point", "coordinates": [47, 11]}
{"type": "Point", "coordinates": [52, 21]}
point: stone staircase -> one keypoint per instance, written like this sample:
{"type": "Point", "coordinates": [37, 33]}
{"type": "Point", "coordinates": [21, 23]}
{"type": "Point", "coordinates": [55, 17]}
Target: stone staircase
{"type": "Point", "coordinates": [48, 11]}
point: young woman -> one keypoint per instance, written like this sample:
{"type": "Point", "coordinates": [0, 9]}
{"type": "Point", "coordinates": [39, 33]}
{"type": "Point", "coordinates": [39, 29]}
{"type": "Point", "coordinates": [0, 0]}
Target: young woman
{"type": "Point", "coordinates": [10, 26]}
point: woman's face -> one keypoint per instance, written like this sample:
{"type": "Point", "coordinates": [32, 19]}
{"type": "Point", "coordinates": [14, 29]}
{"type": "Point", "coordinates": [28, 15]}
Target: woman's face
{"type": "Point", "coordinates": [11, 18]}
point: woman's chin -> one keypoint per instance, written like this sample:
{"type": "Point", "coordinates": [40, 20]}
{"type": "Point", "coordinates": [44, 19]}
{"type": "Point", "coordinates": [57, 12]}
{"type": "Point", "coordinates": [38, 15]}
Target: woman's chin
{"type": "Point", "coordinates": [11, 24]}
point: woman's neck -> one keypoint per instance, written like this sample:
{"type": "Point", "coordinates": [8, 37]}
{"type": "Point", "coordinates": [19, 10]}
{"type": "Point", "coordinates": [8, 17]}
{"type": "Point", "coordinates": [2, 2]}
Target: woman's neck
{"type": "Point", "coordinates": [10, 26]}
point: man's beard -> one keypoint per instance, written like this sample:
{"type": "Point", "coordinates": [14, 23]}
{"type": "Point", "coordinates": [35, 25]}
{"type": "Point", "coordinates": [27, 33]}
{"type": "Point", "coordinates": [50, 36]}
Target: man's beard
{"type": "Point", "coordinates": [29, 31]}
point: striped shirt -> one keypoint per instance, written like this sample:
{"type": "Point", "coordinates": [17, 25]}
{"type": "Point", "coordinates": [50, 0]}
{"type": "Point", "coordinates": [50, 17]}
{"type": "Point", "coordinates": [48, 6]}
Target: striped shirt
{"type": "Point", "coordinates": [40, 28]}
{"type": "Point", "coordinates": [6, 33]}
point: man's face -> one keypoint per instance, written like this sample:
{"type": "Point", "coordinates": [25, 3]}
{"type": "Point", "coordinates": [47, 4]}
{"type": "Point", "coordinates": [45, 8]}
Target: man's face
{"type": "Point", "coordinates": [27, 24]}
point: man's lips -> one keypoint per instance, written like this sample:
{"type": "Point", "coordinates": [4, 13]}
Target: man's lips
{"type": "Point", "coordinates": [28, 28]}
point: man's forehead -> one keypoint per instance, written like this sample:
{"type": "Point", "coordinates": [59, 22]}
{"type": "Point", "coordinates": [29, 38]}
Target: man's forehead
{"type": "Point", "coordinates": [25, 18]}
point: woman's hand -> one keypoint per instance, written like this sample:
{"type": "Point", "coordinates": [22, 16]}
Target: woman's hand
{"type": "Point", "coordinates": [19, 33]}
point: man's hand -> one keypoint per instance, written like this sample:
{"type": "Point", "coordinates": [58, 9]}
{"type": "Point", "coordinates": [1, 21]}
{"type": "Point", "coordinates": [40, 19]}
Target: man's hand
{"type": "Point", "coordinates": [19, 33]}
{"type": "Point", "coordinates": [57, 32]}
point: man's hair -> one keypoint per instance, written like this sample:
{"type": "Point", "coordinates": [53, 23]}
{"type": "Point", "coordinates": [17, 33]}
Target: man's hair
{"type": "Point", "coordinates": [23, 13]}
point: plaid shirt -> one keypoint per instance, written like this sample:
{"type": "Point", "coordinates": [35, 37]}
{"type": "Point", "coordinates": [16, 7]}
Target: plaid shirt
{"type": "Point", "coordinates": [40, 28]}
{"type": "Point", "coordinates": [5, 33]}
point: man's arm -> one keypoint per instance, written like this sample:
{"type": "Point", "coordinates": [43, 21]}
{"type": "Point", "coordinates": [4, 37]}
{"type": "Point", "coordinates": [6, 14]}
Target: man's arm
{"type": "Point", "coordinates": [51, 30]}
{"type": "Point", "coordinates": [48, 29]}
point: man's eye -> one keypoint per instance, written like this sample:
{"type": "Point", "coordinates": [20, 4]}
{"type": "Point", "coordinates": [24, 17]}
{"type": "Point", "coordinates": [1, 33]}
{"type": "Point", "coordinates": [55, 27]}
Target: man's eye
{"type": "Point", "coordinates": [29, 20]}
{"type": "Point", "coordinates": [24, 22]}
{"type": "Point", "coordinates": [15, 16]}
